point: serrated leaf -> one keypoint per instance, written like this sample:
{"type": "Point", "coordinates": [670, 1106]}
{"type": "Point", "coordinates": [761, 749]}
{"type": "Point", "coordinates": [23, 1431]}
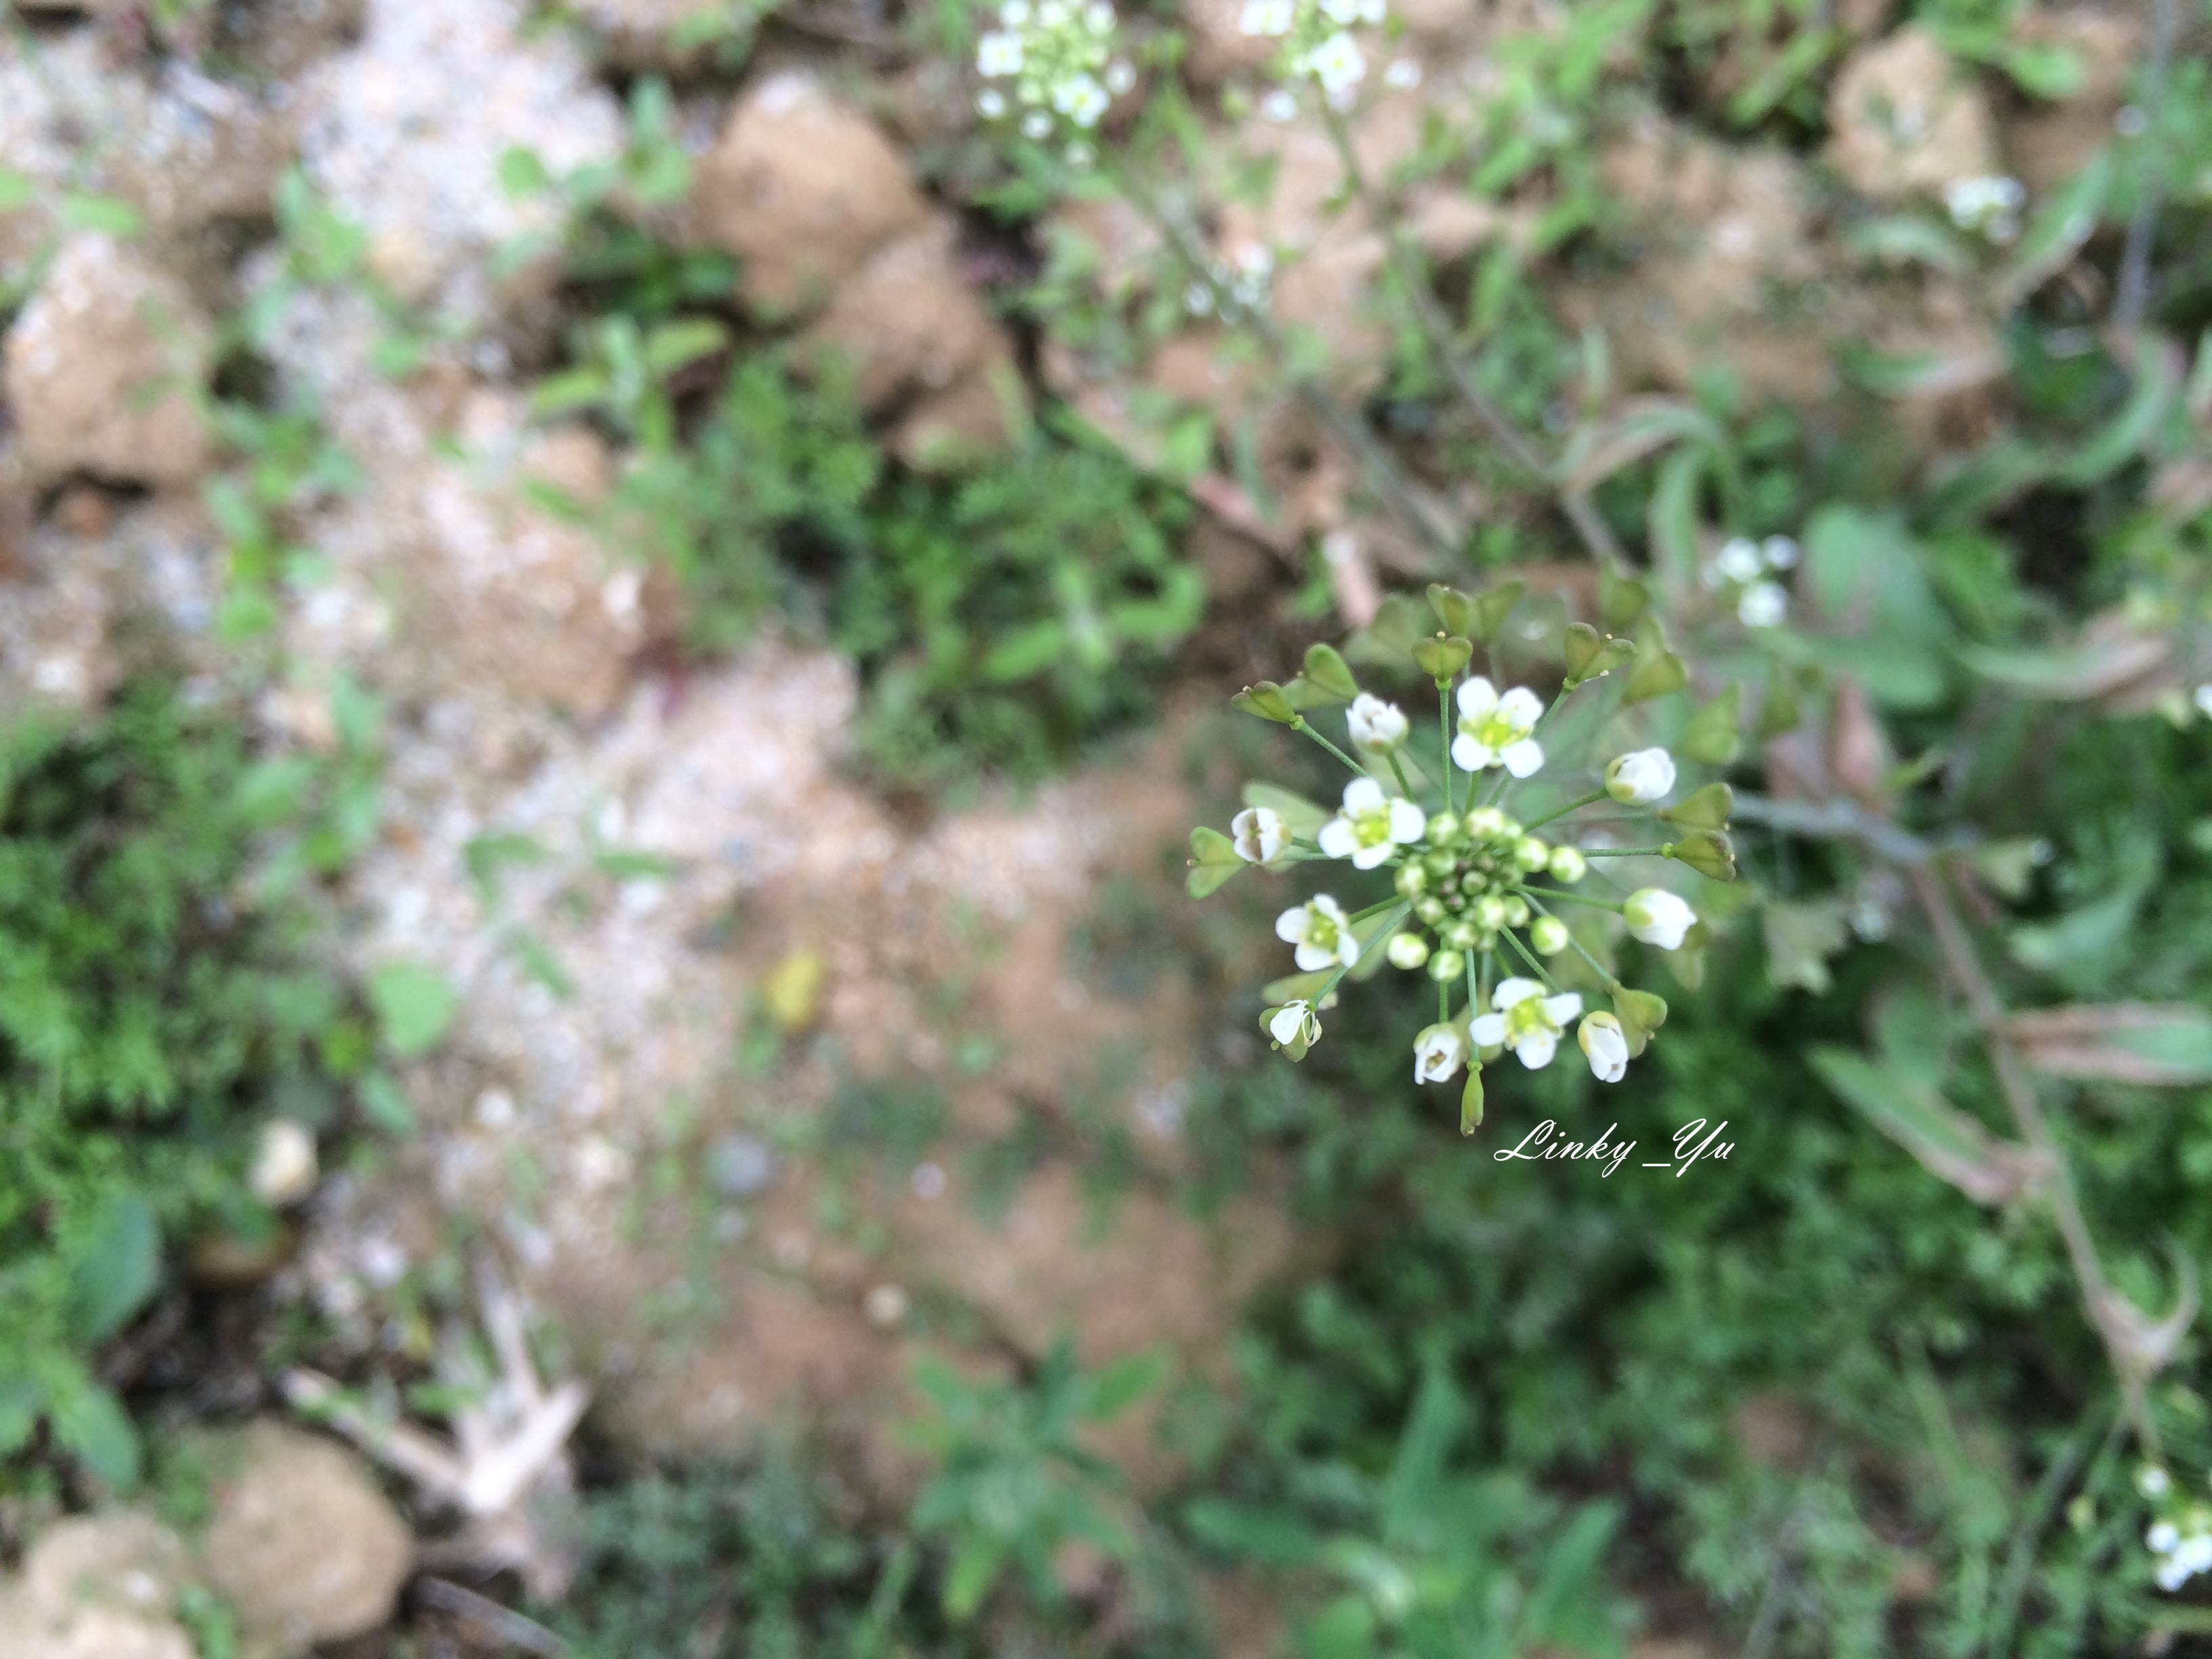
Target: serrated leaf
{"type": "Point", "coordinates": [1946, 1141]}
{"type": "Point", "coordinates": [2156, 1043]}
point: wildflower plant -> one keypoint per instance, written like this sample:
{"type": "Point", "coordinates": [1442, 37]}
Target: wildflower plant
{"type": "Point", "coordinates": [1474, 892]}
{"type": "Point", "coordinates": [1051, 70]}
{"type": "Point", "coordinates": [1319, 48]}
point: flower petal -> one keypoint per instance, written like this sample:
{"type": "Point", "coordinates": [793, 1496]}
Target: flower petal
{"type": "Point", "coordinates": [1537, 1049]}
{"type": "Point", "coordinates": [1363, 795]}
{"type": "Point", "coordinates": [1291, 926]}
{"type": "Point", "coordinates": [1469, 756]}
{"type": "Point", "coordinates": [1406, 821]}
{"type": "Point", "coordinates": [1337, 839]}
{"type": "Point", "coordinates": [1511, 992]}
{"type": "Point", "coordinates": [1521, 706]}
{"type": "Point", "coordinates": [1524, 757]}
{"type": "Point", "coordinates": [1488, 1029]}
{"type": "Point", "coordinates": [1563, 1008]}
{"type": "Point", "coordinates": [1477, 698]}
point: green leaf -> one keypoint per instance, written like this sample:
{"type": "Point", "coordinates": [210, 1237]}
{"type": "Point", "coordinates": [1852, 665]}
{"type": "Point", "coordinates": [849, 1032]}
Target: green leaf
{"type": "Point", "coordinates": [91, 1425]}
{"type": "Point", "coordinates": [672, 345]}
{"type": "Point", "coordinates": [968, 1579]}
{"type": "Point", "coordinates": [1326, 671]}
{"type": "Point", "coordinates": [2068, 673]}
{"type": "Point", "coordinates": [1801, 937]}
{"type": "Point", "coordinates": [1714, 734]}
{"type": "Point", "coordinates": [1945, 1140]}
{"type": "Point", "coordinates": [384, 1104]}
{"type": "Point", "coordinates": [1119, 1386]}
{"type": "Point", "coordinates": [521, 173]}
{"type": "Point", "coordinates": [1025, 652]}
{"type": "Point", "coordinates": [414, 1005]}
{"type": "Point", "coordinates": [2154, 1044]}
{"type": "Point", "coordinates": [115, 1265]}
{"type": "Point", "coordinates": [2157, 390]}
{"type": "Point", "coordinates": [571, 389]}
{"type": "Point", "coordinates": [16, 189]}
{"type": "Point", "coordinates": [1268, 1535]}
{"type": "Point", "coordinates": [82, 210]}
{"type": "Point", "coordinates": [1301, 817]}
{"type": "Point", "coordinates": [21, 1403]}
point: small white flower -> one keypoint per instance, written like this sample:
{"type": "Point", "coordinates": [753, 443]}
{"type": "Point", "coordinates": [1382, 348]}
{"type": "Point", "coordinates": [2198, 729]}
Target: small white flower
{"type": "Point", "coordinates": [1279, 105]}
{"type": "Point", "coordinates": [1081, 100]}
{"type": "Point", "coordinates": [1372, 11]}
{"type": "Point", "coordinates": [1321, 932]}
{"type": "Point", "coordinates": [1120, 77]}
{"type": "Point", "coordinates": [1437, 1054]}
{"type": "Point", "coordinates": [1779, 552]}
{"type": "Point", "coordinates": [284, 1162]}
{"type": "Point", "coordinates": [1098, 18]}
{"type": "Point", "coordinates": [1658, 917]}
{"type": "Point", "coordinates": [1338, 63]}
{"type": "Point", "coordinates": [998, 52]}
{"type": "Point", "coordinates": [1764, 604]}
{"type": "Point", "coordinates": [1493, 730]}
{"type": "Point", "coordinates": [1377, 726]}
{"type": "Point", "coordinates": [1739, 561]}
{"type": "Point", "coordinates": [1259, 835]}
{"type": "Point", "coordinates": [1526, 1021]}
{"type": "Point", "coordinates": [1406, 950]}
{"type": "Point", "coordinates": [1606, 1046]}
{"type": "Point", "coordinates": [1370, 824]}
{"type": "Point", "coordinates": [1293, 1021]}
{"type": "Point", "coordinates": [2162, 1537]}
{"type": "Point", "coordinates": [1404, 74]}
{"type": "Point", "coordinates": [1345, 12]}
{"type": "Point", "coordinates": [1640, 777]}
{"type": "Point", "coordinates": [1014, 13]}
{"type": "Point", "coordinates": [2152, 1481]}
{"type": "Point", "coordinates": [1079, 155]}
{"type": "Point", "coordinates": [1036, 124]}
{"type": "Point", "coordinates": [1266, 17]}
{"type": "Point", "coordinates": [2203, 700]}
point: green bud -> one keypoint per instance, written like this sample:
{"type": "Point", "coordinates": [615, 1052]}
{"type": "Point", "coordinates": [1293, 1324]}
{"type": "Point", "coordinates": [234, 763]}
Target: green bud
{"type": "Point", "coordinates": [1641, 1013]}
{"type": "Point", "coordinates": [1444, 830]}
{"type": "Point", "coordinates": [1408, 951]}
{"type": "Point", "coordinates": [1268, 700]}
{"type": "Point", "coordinates": [1413, 880]}
{"type": "Point", "coordinates": [1549, 936]}
{"type": "Point", "coordinates": [1470, 1101]}
{"type": "Point", "coordinates": [1430, 909]}
{"type": "Point", "coordinates": [1446, 966]}
{"type": "Point", "coordinates": [1531, 853]}
{"type": "Point", "coordinates": [1708, 852]}
{"type": "Point", "coordinates": [1460, 935]}
{"type": "Point", "coordinates": [1714, 734]}
{"type": "Point", "coordinates": [1491, 607]}
{"type": "Point", "coordinates": [1327, 672]}
{"type": "Point", "coordinates": [1701, 809]}
{"type": "Point", "coordinates": [1442, 658]}
{"type": "Point", "coordinates": [1516, 911]}
{"type": "Point", "coordinates": [1568, 865]}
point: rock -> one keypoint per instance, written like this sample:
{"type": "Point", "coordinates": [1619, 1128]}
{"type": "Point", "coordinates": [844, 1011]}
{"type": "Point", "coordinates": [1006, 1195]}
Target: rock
{"type": "Point", "coordinates": [803, 191]}
{"type": "Point", "coordinates": [101, 367]}
{"type": "Point", "coordinates": [98, 1587]}
{"type": "Point", "coordinates": [908, 321]}
{"type": "Point", "coordinates": [1907, 120]}
{"type": "Point", "coordinates": [302, 1542]}
{"type": "Point", "coordinates": [404, 133]}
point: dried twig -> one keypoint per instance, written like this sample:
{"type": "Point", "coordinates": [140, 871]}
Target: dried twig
{"type": "Point", "coordinates": [496, 1620]}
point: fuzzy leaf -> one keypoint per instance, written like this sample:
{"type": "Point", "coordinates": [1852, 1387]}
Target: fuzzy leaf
{"type": "Point", "coordinates": [2158, 1044]}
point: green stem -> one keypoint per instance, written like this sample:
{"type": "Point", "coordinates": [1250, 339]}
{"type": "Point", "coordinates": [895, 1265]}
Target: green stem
{"type": "Point", "coordinates": [1530, 958]}
{"type": "Point", "coordinates": [1665, 849]}
{"type": "Point", "coordinates": [1444, 723]}
{"type": "Point", "coordinates": [1603, 972]}
{"type": "Point", "coordinates": [1372, 910]}
{"type": "Point", "coordinates": [1300, 725]}
{"type": "Point", "coordinates": [1571, 898]}
{"type": "Point", "coordinates": [1443, 1001]}
{"type": "Point", "coordinates": [1561, 812]}
{"type": "Point", "coordinates": [1373, 939]}
{"type": "Point", "coordinates": [1399, 773]}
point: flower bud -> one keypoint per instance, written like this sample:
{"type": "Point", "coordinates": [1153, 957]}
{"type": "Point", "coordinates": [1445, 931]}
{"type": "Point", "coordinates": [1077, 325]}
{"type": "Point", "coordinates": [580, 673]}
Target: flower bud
{"type": "Point", "coordinates": [1531, 853]}
{"type": "Point", "coordinates": [1259, 835]}
{"type": "Point", "coordinates": [1606, 1046]}
{"type": "Point", "coordinates": [1430, 909]}
{"type": "Point", "coordinates": [1708, 852]}
{"type": "Point", "coordinates": [1411, 880]}
{"type": "Point", "coordinates": [1446, 966]}
{"type": "Point", "coordinates": [1460, 935]}
{"type": "Point", "coordinates": [1437, 1054]}
{"type": "Point", "coordinates": [1640, 777]}
{"type": "Point", "coordinates": [1444, 830]}
{"type": "Point", "coordinates": [1516, 911]}
{"type": "Point", "coordinates": [1549, 936]}
{"type": "Point", "coordinates": [1408, 951]}
{"type": "Point", "coordinates": [1376, 727]}
{"type": "Point", "coordinates": [1658, 917]}
{"type": "Point", "coordinates": [1490, 911]}
{"type": "Point", "coordinates": [1568, 865]}
{"type": "Point", "coordinates": [1470, 1102]}
{"type": "Point", "coordinates": [1484, 824]}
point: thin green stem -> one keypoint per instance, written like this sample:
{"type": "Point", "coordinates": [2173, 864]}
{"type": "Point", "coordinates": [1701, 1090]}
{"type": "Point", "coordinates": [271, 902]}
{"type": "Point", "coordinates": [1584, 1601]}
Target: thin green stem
{"type": "Point", "coordinates": [1530, 958]}
{"type": "Point", "coordinates": [1374, 938]}
{"type": "Point", "coordinates": [1660, 852]}
{"type": "Point", "coordinates": [1571, 898]}
{"type": "Point", "coordinates": [1399, 773]}
{"type": "Point", "coordinates": [1603, 972]}
{"type": "Point", "coordinates": [1371, 910]}
{"type": "Point", "coordinates": [1301, 724]}
{"type": "Point", "coordinates": [1444, 725]}
{"type": "Point", "coordinates": [1443, 1001]}
{"type": "Point", "coordinates": [1561, 812]}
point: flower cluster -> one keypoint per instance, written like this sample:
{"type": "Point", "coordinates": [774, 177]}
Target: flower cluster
{"type": "Point", "coordinates": [1052, 62]}
{"type": "Point", "coordinates": [1473, 892]}
{"type": "Point", "coordinates": [1746, 570]}
{"type": "Point", "coordinates": [2180, 1538]}
{"type": "Point", "coordinates": [1987, 206]}
{"type": "Point", "coordinates": [1317, 42]}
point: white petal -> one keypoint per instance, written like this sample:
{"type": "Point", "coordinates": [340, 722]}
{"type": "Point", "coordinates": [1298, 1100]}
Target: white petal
{"type": "Point", "coordinates": [1608, 1067]}
{"type": "Point", "coordinates": [1521, 706]}
{"type": "Point", "coordinates": [1363, 795]}
{"type": "Point", "coordinates": [1368, 857]}
{"type": "Point", "coordinates": [1348, 948]}
{"type": "Point", "coordinates": [1406, 821]}
{"type": "Point", "coordinates": [1323, 905]}
{"type": "Point", "coordinates": [1536, 1050]}
{"type": "Point", "coordinates": [1313, 957]}
{"type": "Point", "coordinates": [1488, 1029]}
{"type": "Point", "coordinates": [1469, 756]}
{"type": "Point", "coordinates": [1563, 1008]}
{"type": "Point", "coordinates": [1337, 839]}
{"type": "Point", "coordinates": [1291, 926]}
{"type": "Point", "coordinates": [1283, 1028]}
{"type": "Point", "coordinates": [1511, 992]}
{"type": "Point", "coordinates": [1477, 698]}
{"type": "Point", "coordinates": [1523, 758]}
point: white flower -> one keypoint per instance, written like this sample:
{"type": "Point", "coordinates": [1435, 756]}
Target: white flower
{"type": "Point", "coordinates": [1098, 18]}
{"type": "Point", "coordinates": [990, 103]}
{"type": "Point", "coordinates": [1259, 835]}
{"type": "Point", "coordinates": [284, 1162]}
{"type": "Point", "coordinates": [1014, 13]}
{"type": "Point", "coordinates": [1081, 100]}
{"type": "Point", "coordinates": [1345, 12]}
{"type": "Point", "coordinates": [2162, 1537]}
{"type": "Point", "coordinates": [1658, 917]}
{"type": "Point", "coordinates": [998, 52]}
{"type": "Point", "coordinates": [1338, 63]}
{"type": "Point", "coordinates": [1293, 1021]}
{"type": "Point", "coordinates": [1370, 824]}
{"type": "Point", "coordinates": [1640, 777]}
{"type": "Point", "coordinates": [1408, 951]}
{"type": "Point", "coordinates": [1036, 124]}
{"type": "Point", "coordinates": [1279, 105]}
{"type": "Point", "coordinates": [1120, 77]}
{"type": "Point", "coordinates": [1779, 552]}
{"type": "Point", "coordinates": [2152, 1481]}
{"type": "Point", "coordinates": [1526, 1021]}
{"type": "Point", "coordinates": [1376, 727]}
{"type": "Point", "coordinates": [1322, 931]}
{"type": "Point", "coordinates": [1079, 155]}
{"type": "Point", "coordinates": [1493, 731]}
{"type": "Point", "coordinates": [1403, 73]}
{"type": "Point", "coordinates": [1266, 17]}
{"type": "Point", "coordinates": [2203, 700]}
{"type": "Point", "coordinates": [1739, 561]}
{"type": "Point", "coordinates": [1437, 1054]}
{"type": "Point", "coordinates": [1607, 1046]}
{"type": "Point", "coordinates": [1764, 604]}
